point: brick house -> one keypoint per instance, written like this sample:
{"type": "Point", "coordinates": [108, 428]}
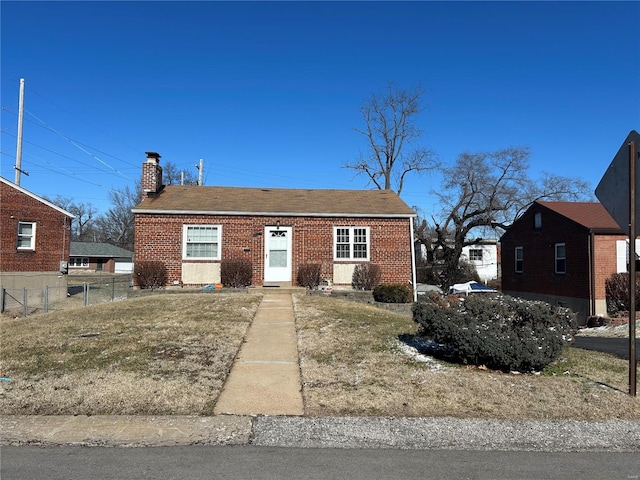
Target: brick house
{"type": "Point", "coordinates": [193, 228]}
{"type": "Point", "coordinates": [34, 240]}
{"type": "Point", "coordinates": [99, 257]}
{"type": "Point", "coordinates": [562, 253]}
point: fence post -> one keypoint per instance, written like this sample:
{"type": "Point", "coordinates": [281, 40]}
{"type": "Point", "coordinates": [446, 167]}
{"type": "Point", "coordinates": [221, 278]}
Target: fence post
{"type": "Point", "coordinates": [25, 294]}
{"type": "Point", "coordinates": [85, 293]}
{"type": "Point", "coordinates": [46, 299]}
{"type": "Point", "coordinates": [2, 293]}
{"type": "Point", "coordinates": [113, 289]}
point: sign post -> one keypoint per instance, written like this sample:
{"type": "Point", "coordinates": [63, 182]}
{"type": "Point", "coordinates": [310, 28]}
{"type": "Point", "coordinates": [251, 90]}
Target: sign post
{"type": "Point", "coordinates": [632, 268]}
{"type": "Point", "coordinates": [617, 191]}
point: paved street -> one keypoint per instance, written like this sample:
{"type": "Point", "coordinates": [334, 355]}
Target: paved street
{"type": "Point", "coordinates": [272, 463]}
{"type": "Point", "coordinates": [615, 346]}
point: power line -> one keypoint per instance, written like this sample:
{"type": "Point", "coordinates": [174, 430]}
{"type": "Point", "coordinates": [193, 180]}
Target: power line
{"type": "Point", "coordinates": [79, 147]}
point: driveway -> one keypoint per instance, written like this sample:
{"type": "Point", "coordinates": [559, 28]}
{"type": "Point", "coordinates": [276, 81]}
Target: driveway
{"type": "Point", "coordinates": [615, 346]}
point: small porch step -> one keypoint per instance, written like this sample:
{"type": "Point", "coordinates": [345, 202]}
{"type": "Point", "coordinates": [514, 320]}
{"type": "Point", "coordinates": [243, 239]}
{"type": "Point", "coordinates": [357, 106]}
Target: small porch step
{"type": "Point", "coordinates": [277, 289]}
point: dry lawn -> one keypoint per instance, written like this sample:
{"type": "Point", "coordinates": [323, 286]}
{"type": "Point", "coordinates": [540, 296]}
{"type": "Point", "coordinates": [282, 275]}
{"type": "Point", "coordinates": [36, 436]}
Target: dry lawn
{"type": "Point", "coordinates": [170, 355]}
{"type": "Point", "coordinates": [162, 355]}
{"type": "Point", "coordinates": [352, 363]}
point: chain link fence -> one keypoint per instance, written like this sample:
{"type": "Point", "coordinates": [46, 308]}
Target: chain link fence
{"type": "Point", "coordinates": [80, 291]}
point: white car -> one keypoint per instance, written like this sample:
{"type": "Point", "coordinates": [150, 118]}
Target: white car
{"type": "Point", "coordinates": [470, 287]}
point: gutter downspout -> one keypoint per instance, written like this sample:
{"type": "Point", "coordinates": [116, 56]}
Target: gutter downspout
{"type": "Point", "coordinates": [592, 274]}
{"type": "Point", "coordinates": [413, 262]}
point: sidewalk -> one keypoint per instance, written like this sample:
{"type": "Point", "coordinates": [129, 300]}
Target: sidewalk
{"type": "Point", "coordinates": [265, 377]}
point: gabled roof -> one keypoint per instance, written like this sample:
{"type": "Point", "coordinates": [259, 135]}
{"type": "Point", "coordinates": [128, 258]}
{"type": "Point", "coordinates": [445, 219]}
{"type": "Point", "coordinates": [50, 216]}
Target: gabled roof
{"type": "Point", "coordinates": [275, 201]}
{"type": "Point", "coordinates": [591, 215]}
{"type": "Point", "coordinates": [36, 197]}
{"type": "Point", "coordinates": [91, 249]}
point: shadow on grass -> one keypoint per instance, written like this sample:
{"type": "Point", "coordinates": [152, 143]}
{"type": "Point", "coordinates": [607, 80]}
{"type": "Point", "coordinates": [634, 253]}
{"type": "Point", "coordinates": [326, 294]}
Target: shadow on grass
{"type": "Point", "coordinates": [428, 347]}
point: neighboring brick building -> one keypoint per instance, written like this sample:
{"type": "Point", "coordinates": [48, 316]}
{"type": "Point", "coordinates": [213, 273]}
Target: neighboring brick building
{"type": "Point", "coordinates": [34, 239]}
{"type": "Point", "coordinates": [99, 257]}
{"type": "Point", "coordinates": [193, 228]}
{"type": "Point", "coordinates": [562, 253]}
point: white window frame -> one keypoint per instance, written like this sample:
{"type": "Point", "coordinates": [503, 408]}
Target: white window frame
{"type": "Point", "coordinates": [518, 258]}
{"type": "Point", "coordinates": [562, 258]}
{"type": "Point", "coordinates": [31, 237]}
{"type": "Point", "coordinates": [351, 243]}
{"type": "Point", "coordinates": [78, 262]}
{"type": "Point", "coordinates": [217, 243]}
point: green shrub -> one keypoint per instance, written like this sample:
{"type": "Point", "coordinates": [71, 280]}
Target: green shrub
{"type": "Point", "coordinates": [500, 332]}
{"type": "Point", "coordinates": [366, 276]}
{"type": "Point", "coordinates": [236, 272]}
{"type": "Point", "coordinates": [393, 293]}
{"type": "Point", "coordinates": [617, 293]}
{"type": "Point", "coordinates": [309, 275]}
{"type": "Point", "coordinates": [150, 274]}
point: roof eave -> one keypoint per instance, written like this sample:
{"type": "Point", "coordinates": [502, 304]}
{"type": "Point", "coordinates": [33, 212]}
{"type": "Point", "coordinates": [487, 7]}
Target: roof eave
{"type": "Point", "coordinates": [606, 231]}
{"type": "Point", "coordinates": [272, 214]}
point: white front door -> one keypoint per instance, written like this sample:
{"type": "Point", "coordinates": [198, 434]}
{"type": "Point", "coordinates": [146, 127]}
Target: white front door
{"type": "Point", "coordinates": [277, 256]}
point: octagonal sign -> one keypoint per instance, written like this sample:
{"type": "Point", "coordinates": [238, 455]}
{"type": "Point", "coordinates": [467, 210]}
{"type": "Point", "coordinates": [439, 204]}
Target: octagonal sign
{"type": "Point", "coordinates": [613, 189]}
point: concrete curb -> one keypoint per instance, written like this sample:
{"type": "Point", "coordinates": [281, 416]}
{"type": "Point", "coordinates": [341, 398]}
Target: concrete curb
{"type": "Point", "coordinates": [124, 431]}
{"type": "Point", "coordinates": [326, 432]}
{"type": "Point", "coordinates": [447, 433]}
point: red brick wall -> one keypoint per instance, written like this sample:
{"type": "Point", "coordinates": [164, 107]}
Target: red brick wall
{"type": "Point", "coordinates": [605, 261]}
{"type": "Point", "coordinates": [52, 233]}
{"type": "Point", "coordinates": [159, 237]}
{"type": "Point", "coordinates": [539, 256]}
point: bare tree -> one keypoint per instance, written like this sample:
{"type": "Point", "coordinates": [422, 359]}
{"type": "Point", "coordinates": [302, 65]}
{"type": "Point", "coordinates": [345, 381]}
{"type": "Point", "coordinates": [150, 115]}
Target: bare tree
{"type": "Point", "coordinates": [487, 191]}
{"type": "Point", "coordinates": [83, 225]}
{"type": "Point", "coordinates": [390, 131]}
{"type": "Point", "coordinates": [116, 226]}
{"type": "Point", "coordinates": [172, 175]}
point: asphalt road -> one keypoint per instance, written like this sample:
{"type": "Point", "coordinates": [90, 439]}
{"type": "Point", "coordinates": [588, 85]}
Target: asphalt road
{"type": "Point", "coordinates": [273, 463]}
{"type": "Point", "coordinates": [614, 346]}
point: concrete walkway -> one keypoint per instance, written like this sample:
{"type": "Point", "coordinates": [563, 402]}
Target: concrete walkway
{"type": "Point", "coordinates": [265, 377]}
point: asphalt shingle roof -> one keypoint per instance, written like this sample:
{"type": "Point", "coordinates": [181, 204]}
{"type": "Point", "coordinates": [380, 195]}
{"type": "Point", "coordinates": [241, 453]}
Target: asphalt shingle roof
{"type": "Point", "coordinates": [591, 215]}
{"type": "Point", "coordinates": [279, 201]}
{"type": "Point", "coordinates": [91, 249]}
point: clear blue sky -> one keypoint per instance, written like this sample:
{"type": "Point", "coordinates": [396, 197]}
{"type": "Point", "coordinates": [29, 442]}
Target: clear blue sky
{"type": "Point", "coordinates": [268, 93]}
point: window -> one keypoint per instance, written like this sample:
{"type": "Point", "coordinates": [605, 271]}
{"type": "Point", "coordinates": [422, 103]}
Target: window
{"type": "Point", "coordinates": [78, 262]}
{"type": "Point", "coordinates": [475, 254]}
{"type": "Point", "coordinates": [351, 243]}
{"type": "Point", "coordinates": [561, 258]}
{"type": "Point", "coordinates": [537, 221]}
{"type": "Point", "coordinates": [26, 235]}
{"type": "Point", "coordinates": [201, 242]}
{"type": "Point", "coordinates": [519, 260]}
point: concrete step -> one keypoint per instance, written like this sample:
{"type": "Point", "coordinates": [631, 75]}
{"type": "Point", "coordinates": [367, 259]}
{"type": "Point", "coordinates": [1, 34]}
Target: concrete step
{"type": "Point", "coordinates": [278, 290]}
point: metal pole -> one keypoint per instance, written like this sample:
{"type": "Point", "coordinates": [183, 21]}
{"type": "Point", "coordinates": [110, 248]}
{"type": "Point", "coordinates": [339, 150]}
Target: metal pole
{"type": "Point", "coordinates": [25, 307]}
{"type": "Point", "coordinates": [19, 142]}
{"type": "Point", "coordinates": [46, 299]}
{"type": "Point", "coordinates": [200, 169]}
{"type": "Point", "coordinates": [632, 269]}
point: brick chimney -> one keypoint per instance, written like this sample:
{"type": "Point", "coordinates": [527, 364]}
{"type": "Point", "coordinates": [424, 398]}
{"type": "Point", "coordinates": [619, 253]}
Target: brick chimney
{"type": "Point", "coordinates": [151, 175]}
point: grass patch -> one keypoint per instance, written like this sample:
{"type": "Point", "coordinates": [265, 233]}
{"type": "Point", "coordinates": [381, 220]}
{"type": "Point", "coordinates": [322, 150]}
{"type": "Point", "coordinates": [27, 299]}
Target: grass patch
{"type": "Point", "coordinates": [163, 355]}
{"type": "Point", "coordinates": [170, 355]}
{"type": "Point", "coordinates": [352, 363]}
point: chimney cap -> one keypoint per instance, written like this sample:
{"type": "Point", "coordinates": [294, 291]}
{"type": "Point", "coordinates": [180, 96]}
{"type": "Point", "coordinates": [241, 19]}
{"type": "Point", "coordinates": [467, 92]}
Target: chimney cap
{"type": "Point", "coordinates": [153, 155]}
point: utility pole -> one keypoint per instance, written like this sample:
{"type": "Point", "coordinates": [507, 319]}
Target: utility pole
{"type": "Point", "coordinates": [18, 166]}
{"type": "Point", "coordinates": [200, 169]}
